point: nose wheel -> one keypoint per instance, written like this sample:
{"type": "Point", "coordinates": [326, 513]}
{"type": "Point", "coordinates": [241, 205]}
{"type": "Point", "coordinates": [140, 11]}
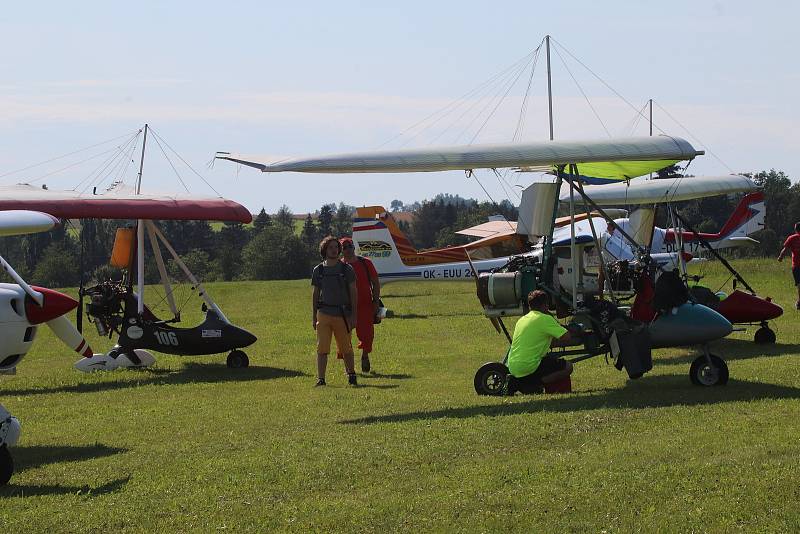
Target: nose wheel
{"type": "Point", "coordinates": [490, 378]}
{"type": "Point", "coordinates": [764, 335]}
{"type": "Point", "coordinates": [709, 370]}
{"type": "Point", "coordinates": [237, 359]}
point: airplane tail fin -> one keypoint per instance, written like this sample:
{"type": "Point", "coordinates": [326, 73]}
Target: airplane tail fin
{"type": "Point", "coordinates": [378, 237]}
{"type": "Point", "coordinates": [747, 218]}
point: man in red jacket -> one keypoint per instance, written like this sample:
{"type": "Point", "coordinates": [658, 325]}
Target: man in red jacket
{"type": "Point", "coordinates": [369, 291]}
{"type": "Point", "coordinates": [792, 244]}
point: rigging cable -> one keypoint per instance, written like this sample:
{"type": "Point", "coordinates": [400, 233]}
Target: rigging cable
{"type": "Point", "coordinates": [185, 162]}
{"type": "Point", "coordinates": [566, 67]}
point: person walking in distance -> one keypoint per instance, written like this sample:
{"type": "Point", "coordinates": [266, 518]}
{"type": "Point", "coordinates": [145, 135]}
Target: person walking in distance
{"type": "Point", "coordinates": [334, 305]}
{"type": "Point", "coordinates": [792, 244]}
{"type": "Point", "coordinates": [369, 293]}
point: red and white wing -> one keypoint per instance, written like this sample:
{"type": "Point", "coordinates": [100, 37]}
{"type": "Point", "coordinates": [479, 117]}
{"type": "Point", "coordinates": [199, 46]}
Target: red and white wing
{"type": "Point", "coordinates": [121, 204]}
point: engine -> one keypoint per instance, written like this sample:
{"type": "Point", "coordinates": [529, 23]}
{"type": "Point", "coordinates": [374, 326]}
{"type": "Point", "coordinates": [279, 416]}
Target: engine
{"type": "Point", "coordinates": [106, 306]}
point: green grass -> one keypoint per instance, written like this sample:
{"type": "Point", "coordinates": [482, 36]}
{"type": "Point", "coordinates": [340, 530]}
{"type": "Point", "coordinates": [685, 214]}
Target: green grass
{"type": "Point", "coordinates": [192, 446]}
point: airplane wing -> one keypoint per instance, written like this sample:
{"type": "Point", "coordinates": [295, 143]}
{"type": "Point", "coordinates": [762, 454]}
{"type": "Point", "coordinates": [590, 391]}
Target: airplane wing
{"type": "Point", "coordinates": [482, 156]}
{"type": "Point", "coordinates": [490, 229]}
{"type": "Point", "coordinates": [665, 190]}
{"type": "Point", "coordinates": [121, 204]}
{"type": "Point", "coordinates": [20, 222]}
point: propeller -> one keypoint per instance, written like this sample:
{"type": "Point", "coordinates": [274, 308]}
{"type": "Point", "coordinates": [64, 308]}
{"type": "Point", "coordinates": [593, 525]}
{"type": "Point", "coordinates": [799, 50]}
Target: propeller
{"type": "Point", "coordinates": [493, 320]}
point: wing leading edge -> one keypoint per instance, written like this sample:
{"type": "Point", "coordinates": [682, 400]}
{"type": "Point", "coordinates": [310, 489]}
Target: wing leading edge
{"type": "Point", "coordinates": [510, 155]}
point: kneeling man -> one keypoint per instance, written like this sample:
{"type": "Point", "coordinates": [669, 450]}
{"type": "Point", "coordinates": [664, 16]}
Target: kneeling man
{"type": "Point", "coordinates": [534, 334]}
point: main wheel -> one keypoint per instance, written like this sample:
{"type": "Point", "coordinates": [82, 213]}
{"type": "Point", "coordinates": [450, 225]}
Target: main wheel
{"type": "Point", "coordinates": [764, 336]}
{"type": "Point", "coordinates": [6, 465]}
{"type": "Point", "coordinates": [703, 374]}
{"type": "Point", "coordinates": [237, 359]}
{"type": "Point", "coordinates": [490, 378]}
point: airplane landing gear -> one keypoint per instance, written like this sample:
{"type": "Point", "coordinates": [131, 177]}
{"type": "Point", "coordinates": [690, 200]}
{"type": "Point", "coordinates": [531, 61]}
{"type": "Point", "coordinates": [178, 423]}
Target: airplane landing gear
{"type": "Point", "coordinates": [490, 378]}
{"type": "Point", "coordinates": [764, 335]}
{"type": "Point", "coordinates": [709, 370]}
{"type": "Point", "coordinates": [237, 359]}
{"type": "Point", "coordinates": [6, 465]}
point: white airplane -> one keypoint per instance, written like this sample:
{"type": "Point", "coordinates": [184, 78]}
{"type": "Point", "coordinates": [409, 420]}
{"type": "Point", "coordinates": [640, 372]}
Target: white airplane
{"type": "Point", "coordinates": [23, 308]}
{"type": "Point", "coordinates": [378, 237]}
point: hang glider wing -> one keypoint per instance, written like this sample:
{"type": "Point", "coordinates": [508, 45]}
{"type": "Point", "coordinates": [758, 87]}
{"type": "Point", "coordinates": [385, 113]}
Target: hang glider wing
{"type": "Point", "coordinates": [20, 222]}
{"type": "Point", "coordinates": [121, 204]}
{"type": "Point", "coordinates": [510, 155]}
{"type": "Point", "coordinates": [666, 190]}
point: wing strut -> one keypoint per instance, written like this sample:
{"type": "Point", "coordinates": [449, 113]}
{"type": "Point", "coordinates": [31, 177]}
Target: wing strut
{"type": "Point", "coordinates": [202, 292]}
{"type": "Point", "coordinates": [162, 271]}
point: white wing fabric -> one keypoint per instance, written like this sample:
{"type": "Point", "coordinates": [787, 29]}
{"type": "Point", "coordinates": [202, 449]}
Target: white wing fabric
{"type": "Point", "coordinates": [663, 190]}
{"type": "Point", "coordinates": [509, 155]}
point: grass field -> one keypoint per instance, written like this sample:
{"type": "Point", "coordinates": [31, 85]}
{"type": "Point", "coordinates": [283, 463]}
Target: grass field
{"type": "Point", "coordinates": [190, 445]}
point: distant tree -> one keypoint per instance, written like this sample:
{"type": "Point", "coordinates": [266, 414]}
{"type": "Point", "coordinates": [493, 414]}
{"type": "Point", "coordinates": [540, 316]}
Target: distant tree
{"type": "Point", "coordinates": [231, 240]}
{"type": "Point", "coordinates": [197, 262]}
{"type": "Point", "coordinates": [285, 216]}
{"type": "Point", "coordinates": [343, 221]}
{"type": "Point", "coordinates": [277, 253]}
{"type": "Point", "coordinates": [396, 205]}
{"type": "Point", "coordinates": [261, 221]}
{"type": "Point", "coordinates": [57, 267]}
{"type": "Point", "coordinates": [325, 219]}
{"type": "Point", "coordinates": [309, 235]}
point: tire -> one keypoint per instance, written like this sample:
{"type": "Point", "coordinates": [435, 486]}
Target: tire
{"type": "Point", "coordinates": [764, 336]}
{"type": "Point", "coordinates": [237, 359]}
{"type": "Point", "coordinates": [701, 374]}
{"type": "Point", "coordinates": [6, 465]}
{"type": "Point", "coordinates": [490, 378]}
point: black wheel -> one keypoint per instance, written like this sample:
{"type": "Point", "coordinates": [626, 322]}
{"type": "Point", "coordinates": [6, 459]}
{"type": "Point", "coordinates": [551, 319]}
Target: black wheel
{"type": "Point", "coordinates": [764, 336]}
{"type": "Point", "coordinates": [6, 465]}
{"type": "Point", "coordinates": [703, 374]}
{"type": "Point", "coordinates": [238, 360]}
{"type": "Point", "coordinates": [490, 378]}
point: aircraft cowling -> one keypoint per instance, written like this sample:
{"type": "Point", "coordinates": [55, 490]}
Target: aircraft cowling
{"type": "Point", "coordinates": [740, 307]}
{"type": "Point", "coordinates": [688, 324]}
{"type": "Point", "coordinates": [20, 317]}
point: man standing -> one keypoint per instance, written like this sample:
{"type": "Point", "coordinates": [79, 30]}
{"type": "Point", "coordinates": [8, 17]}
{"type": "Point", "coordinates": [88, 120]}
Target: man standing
{"type": "Point", "coordinates": [369, 293]}
{"type": "Point", "coordinates": [792, 244]}
{"type": "Point", "coordinates": [534, 334]}
{"type": "Point", "coordinates": [334, 305]}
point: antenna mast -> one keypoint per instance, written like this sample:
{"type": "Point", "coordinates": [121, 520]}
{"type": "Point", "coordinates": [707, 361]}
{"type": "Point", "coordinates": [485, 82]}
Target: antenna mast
{"type": "Point", "coordinates": [141, 163]}
{"type": "Point", "coordinates": [549, 86]}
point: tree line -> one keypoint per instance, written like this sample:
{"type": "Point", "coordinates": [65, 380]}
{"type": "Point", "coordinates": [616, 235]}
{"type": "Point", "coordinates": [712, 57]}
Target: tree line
{"type": "Point", "coordinates": [280, 247]}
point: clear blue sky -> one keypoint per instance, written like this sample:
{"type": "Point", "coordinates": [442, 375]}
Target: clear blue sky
{"type": "Point", "coordinates": [311, 78]}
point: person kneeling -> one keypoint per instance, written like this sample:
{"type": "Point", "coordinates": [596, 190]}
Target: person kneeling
{"type": "Point", "coordinates": [534, 334]}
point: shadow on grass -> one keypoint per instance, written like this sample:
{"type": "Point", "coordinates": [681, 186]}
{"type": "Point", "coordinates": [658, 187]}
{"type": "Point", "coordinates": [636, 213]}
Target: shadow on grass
{"type": "Point", "coordinates": [30, 457]}
{"type": "Point", "coordinates": [189, 374]}
{"type": "Point", "coordinates": [647, 392]}
{"type": "Point", "coordinates": [390, 376]}
{"type": "Point", "coordinates": [737, 349]}
{"type": "Point", "coordinates": [23, 490]}
{"type": "Point", "coordinates": [421, 316]}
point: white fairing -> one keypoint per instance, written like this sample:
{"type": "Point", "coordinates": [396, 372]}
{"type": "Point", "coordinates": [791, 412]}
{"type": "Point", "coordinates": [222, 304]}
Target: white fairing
{"type": "Point", "coordinates": [107, 362]}
{"type": "Point", "coordinates": [16, 333]}
{"type": "Point", "coordinates": [9, 428]}
{"type": "Point", "coordinates": [20, 222]}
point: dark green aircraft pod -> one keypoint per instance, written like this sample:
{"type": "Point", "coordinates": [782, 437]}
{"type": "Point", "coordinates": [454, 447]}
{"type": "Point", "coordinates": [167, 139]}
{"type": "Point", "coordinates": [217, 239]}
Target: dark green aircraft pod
{"type": "Point", "coordinates": [688, 324]}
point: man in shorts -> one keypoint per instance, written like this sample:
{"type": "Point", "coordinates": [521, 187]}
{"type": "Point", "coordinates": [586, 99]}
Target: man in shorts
{"type": "Point", "coordinates": [369, 293]}
{"type": "Point", "coordinates": [534, 334]}
{"type": "Point", "coordinates": [792, 244]}
{"type": "Point", "coordinates": [334, 304]}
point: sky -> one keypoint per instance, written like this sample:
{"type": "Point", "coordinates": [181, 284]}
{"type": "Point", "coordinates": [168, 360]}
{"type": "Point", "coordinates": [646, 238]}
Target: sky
{"type": "Point", "coordinates": [309, 78]}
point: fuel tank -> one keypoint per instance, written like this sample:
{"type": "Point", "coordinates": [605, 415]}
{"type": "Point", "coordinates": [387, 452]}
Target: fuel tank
{"type": "Point", "coordinates": [688, 324]}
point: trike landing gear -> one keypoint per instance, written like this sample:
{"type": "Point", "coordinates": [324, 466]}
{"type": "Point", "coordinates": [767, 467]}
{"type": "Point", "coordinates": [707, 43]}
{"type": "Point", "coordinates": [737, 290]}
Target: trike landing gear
{"type": "Point", "coordinates": [490, 378]}
{"type": "Point", "coordinates": [237, 359]}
